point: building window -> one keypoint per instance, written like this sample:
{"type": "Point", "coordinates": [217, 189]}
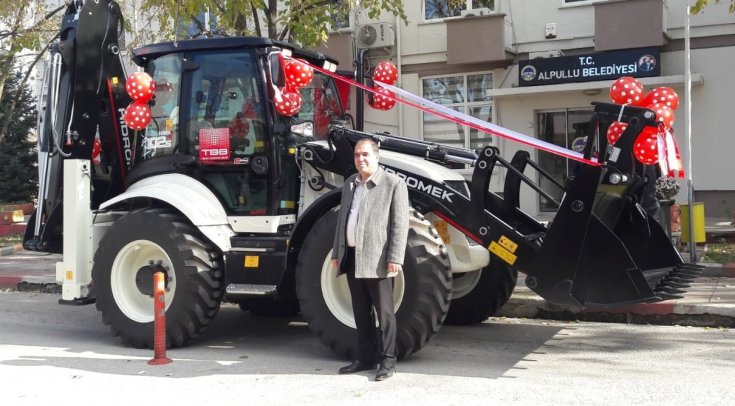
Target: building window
{"type": "Point", "coordinates": [437, 9]}
{"type": "Point", "coordinates": [340, 19]}
{"type": "Point", "coordinates": [580, 2]}
{"type": "Point", "coordinates": [566, 128]}
{"type": "Point", "coordinates": [463, 93]}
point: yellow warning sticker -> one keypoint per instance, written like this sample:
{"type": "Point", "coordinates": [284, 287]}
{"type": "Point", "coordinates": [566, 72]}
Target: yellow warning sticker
{"type": "Point", "coordinates": [259, 144]}
{"type": "Point", "coordinates": [502, 253]}
{"type": "Point", "coordinates": [507, 243]}
{"type": "Point", "coordinates": [69, 275]}
{"type": "Point", "coordinates": [443, 229]}
{"type": "Point", "coordinates": [251, 261]}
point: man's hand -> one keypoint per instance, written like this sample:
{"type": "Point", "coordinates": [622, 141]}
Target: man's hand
{"type": "Point", "coordinates": [335, 264]}
{"type": "Point", "coordinates": [394, 268]}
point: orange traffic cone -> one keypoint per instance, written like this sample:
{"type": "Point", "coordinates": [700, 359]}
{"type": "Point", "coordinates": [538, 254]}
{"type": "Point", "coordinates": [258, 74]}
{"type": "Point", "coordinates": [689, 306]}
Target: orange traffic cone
{"type": "Point", "coordinates": [159, 321]}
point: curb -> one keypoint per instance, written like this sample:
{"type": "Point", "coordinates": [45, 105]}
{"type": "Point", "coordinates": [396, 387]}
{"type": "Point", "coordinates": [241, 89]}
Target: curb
{"type": "Point", "coordinates": [28, 283]}
{"type": "Point", "coordinates": [10, 282]}
{"type": "Point", "coordinates": [716, 269]}
{"type": "Point", "coordinates": [10, 250]}
{"type": "Point", "coordinates": [661, 313]}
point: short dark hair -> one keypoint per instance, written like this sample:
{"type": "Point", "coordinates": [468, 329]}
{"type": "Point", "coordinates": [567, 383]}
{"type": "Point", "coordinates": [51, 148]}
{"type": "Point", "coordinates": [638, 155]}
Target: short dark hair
{"type": "Point", "coordinates": [371, 141]}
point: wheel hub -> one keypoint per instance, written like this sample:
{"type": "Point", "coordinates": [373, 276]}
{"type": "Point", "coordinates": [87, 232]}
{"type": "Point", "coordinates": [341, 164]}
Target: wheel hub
{"type": "Point", "coordinates": [337, 296]}
{"type": "Point", "coordinates": [144, 276]}
{"type": "Point", "coordinates": [131, 278]}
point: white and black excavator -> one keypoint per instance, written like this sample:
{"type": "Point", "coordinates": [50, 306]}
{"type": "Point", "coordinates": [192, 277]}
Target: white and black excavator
{"type": "Point", "coordinates": [251, 220]}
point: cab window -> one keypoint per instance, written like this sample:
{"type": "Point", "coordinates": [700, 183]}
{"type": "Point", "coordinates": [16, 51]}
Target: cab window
{"type": "Point", "coordinates": [226, 129]}
{"type": "Point", "coordinates": [226, 122]}
{"type": "Point", "coordinates": [160, 137]}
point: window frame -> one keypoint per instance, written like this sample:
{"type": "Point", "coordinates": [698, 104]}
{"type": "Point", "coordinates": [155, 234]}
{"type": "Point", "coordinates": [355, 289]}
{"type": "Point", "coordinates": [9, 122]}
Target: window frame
{"type": "Point", "coordinates": [568, 137]}
{"type": "Point", "coordinates": [466, 105]}
{"type": "Point", "coordinates": [467, 6]}
{"type": "Point", "coordinates": [350, 21]}
{"type": "Point", "coordinates": [579, 3]}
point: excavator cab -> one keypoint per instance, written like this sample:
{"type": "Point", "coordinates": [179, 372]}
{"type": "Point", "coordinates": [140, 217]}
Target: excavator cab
{"type": "Point", "coordinates": [213, 119]}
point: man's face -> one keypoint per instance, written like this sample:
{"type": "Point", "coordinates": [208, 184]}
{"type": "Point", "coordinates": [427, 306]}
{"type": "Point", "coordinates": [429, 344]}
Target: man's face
{"type": "Point", "coordinates": [366, 160]}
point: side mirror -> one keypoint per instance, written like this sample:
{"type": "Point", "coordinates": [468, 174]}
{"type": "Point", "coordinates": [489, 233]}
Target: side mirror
{"type": "Point", "coordinates": [304, 129]}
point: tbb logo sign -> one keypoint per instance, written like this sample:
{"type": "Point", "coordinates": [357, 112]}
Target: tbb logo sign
{"type": "Point", "coordinates": [214, 144]}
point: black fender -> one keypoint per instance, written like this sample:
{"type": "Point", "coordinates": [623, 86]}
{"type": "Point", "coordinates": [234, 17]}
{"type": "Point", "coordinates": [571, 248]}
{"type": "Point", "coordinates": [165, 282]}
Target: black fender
{"type": "Point", "coordinates": [306, 221]}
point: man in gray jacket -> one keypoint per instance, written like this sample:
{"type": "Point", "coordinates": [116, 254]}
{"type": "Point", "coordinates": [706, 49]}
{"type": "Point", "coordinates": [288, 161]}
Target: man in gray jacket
{"type": "Point", "coordinates": [369, 246]}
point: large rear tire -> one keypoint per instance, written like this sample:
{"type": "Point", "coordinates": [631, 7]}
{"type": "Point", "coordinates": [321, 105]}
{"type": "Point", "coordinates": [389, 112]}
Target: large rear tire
{"type": "Point", "coordinates": [480, 294]}
{"type": "Point", "coordinates": [123, 277]}
{"type": "Point", "coordinates": [421, 292]}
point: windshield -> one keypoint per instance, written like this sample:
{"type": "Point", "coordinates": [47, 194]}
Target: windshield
{"type": "Point", "coordinates": [320, 100]}
{"type": "Point", "coordinates": [320, 105]}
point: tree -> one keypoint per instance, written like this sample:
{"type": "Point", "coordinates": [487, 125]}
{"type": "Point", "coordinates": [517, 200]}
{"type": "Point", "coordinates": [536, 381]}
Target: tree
{"type": "Point", "coordinates": [26, 29]}
{"type": "Point", "coordinates": [305, 22]}
{"type": "Point", "coordinates": [18, 183]}
{"type": "Point", "coordinates": [700, 4]}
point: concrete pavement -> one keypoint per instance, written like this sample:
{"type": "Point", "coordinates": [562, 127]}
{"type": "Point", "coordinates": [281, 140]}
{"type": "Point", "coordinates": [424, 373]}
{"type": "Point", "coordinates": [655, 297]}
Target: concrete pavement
{"type": "Point", "coordinates": [709, 302]}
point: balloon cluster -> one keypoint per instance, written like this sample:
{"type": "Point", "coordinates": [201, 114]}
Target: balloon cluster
{"type": "Point", "coordinates": [662, 100]}
{"type": "Point", "coordinates": [383, 99]}
{"type": "Point", "coordinates": [288, 98]}
{"type": "Point", "coordinates": [140, 86]}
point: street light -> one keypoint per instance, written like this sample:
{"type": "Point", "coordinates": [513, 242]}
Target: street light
{"type": "Point", "coordinates": [688, 132]}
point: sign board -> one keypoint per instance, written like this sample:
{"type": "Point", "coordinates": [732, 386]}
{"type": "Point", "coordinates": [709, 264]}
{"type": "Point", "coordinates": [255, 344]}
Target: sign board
{"type": "Point", "coordinates": [640, 62]}
{"type": "Point", "coordinates": [214, 144]}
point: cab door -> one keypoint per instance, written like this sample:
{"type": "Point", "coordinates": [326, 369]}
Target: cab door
{"type": "Point", "coordinates": [225, 130]}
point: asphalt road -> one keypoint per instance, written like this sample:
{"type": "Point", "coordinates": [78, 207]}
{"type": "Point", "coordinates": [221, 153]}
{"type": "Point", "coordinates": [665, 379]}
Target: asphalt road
{"type": "Point", "coordinates": [52, 354]}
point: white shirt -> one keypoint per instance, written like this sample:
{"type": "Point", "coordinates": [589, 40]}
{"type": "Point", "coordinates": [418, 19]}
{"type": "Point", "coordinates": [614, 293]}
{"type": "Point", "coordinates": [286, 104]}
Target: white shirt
{"type": "Point", "coordinates": [354, 211]}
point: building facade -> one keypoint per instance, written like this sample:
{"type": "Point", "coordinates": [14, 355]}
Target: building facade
{"type": "Point", "coordinates": [535, 66]}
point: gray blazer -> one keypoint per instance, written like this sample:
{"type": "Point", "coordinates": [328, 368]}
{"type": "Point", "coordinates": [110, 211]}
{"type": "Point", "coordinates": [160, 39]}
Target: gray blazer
{"type": "Point", "coordinates": [382, 225]}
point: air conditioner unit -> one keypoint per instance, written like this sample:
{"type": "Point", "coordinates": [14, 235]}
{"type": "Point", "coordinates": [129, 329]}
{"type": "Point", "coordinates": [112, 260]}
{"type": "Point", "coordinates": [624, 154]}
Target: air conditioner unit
{"type": "Point", "coordinates": [545, 54]}
{"type": "Point", "coordinates": [480, 11]}
{"type": "Point", "coordinates": [376, 35]}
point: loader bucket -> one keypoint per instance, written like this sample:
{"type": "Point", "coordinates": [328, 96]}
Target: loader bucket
{"type": "Point", "coordinates": [602, 248]}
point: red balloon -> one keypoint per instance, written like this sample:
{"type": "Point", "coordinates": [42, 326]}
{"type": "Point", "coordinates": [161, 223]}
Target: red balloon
{"type": "Point", "coordinates": [382, 99]}
{"type": "Point", "coordinates": [289, 103]}
{"type": "Point", "coordinates": [386, 72]}
{"type": "Point", "coordinates": [664, 114]}
{"type": "Point", "coordinates": [298, 74]}
{"type": "Point", "coordinates": [137, 115]}
{"type": "Point", "coordinates": [615, 131]}
{"type": "Point", "coordinates": [663, 95]}
{"type": "Point", "coordinates": [645, 147]}
{"type": "Point", "coordinates": [96, 149]}
{"type": "Point", "coordinates": [626, 90]}
{"type": "Point", "coordinates": [239, 127]}
{"type": "Point", "coordinates": [140, 86]}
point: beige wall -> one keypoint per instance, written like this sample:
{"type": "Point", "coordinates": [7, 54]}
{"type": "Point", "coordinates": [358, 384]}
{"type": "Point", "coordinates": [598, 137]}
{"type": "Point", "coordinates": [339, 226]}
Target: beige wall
{"type": "Point", "coordinates": [713, 54]}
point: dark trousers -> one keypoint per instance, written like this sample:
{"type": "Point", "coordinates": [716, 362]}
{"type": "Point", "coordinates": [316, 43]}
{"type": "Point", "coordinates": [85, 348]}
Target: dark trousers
{"type": "Point", "coordinates": [367, 293]}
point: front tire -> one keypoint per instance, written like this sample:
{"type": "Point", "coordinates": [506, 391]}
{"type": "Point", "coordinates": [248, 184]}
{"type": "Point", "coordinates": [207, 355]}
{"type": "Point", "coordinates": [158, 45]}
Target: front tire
{"type": "Point", "coordinates": [123, 277]}
{"type": "Point", "coordinates": [480, 294]}
{"type": "Point", "coordinates": [421, 292]}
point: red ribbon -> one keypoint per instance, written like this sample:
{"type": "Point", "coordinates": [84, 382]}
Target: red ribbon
{"type": "Point", "coordinates": [460, 118]}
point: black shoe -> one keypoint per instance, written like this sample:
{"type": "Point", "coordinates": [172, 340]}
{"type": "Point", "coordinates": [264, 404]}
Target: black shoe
{"type": "Point", "coordinates": [384, 372]}
{"type": "Point", "coordinates": [356, 366]}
